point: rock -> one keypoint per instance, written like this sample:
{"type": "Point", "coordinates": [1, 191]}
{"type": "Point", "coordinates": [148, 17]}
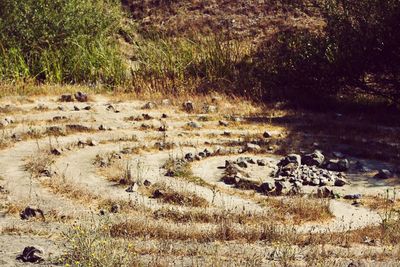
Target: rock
{"type": "Point", "coordinates": [226, 133]}
{"type": "Point", "coordinates": [132, 188]}
{"type": "Point", "coordinates": [198, 157]}
{"type": "Point", "coordinates": [16, 137]}
{"type": "Point", "coordinates": [146, 183]}
{"type": "Point", "coordinates": [338, 165]}
{"type": "Point", "coordinates": [223, 123]}
{"type": "Point", "coordinates": [102, 128]}
{"type": "Point", "coordinates": [81, 97]}
{"type": "Point", "coordinates": [66, 98]}
{"type": "Point", "coordinates": [91, 142]}
{"type": "Point", "coordinates": [291, 158]}
{"type": "Point", "coordinates": [10, 120]}
{"type": "Point", "coordinates": [193, 124]}
{"type": "Point", "coordinates": [267, 187]}
{"type": "Point", "coordinates": [279, 187]}
{"type": "Point", "coordinates": [29, 254]}
{"type": "Point", "coordinates": [315, 182]}
{"type": "Point", "coordinates": [149, 105]}
{"type": "Point", "coordinates": [241, 163]}
{"type": "Point", "coordinates": [207, 152]}
{"type": "Point", "coordinates": [250, 160]}
{"type": "Point", "coordinates": [324, 192]}
{"type": "Point", "coordinates": [261, 162]}
{"type": "Point", "coordinates": [352, 196]}
{"type": "Point", "coordinates": [383, 174]}
{"type": "Point", "coordinates": [29, 212]}
{"type": "Point", "coordinates": [59, 118]}
{"type": "Point", "coordinates": [267, 134]}
{"type": "Point", "coordinates": [163, 128]}
{"type": "Point", "coordinates": [189, 157]}
{"type": "Point", "coordinates": [250, 147]}
{"type": "Point", "coordinates": [188, 106]}
{"type": "Point", "coordinates": [76, 108]}
{"type": "Point", "coordinates": [231, 180]}
{"type": "Point", "coordinates": [314, 159]}
{"type": "Point", "coordinates": [295, 190]}
{"type": "Point", "coordinates": [115, 208]}
{"type": "Point", "coordinates": [87, 108]}
{"type": "Point", "coordinates": [164, 116]}
{"type": "Point", "coordinates": [56, 151]}
{"type": "Point", "coordinates": [340, 182]}
{"type": "Point", "coordinates": [158, 193]}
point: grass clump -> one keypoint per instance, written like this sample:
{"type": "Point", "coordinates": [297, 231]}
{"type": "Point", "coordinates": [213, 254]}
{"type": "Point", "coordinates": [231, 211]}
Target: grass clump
{"type": "Point", "coordinates": [61, 41]}
{"type": "Point", "coordinates": [92, 245]}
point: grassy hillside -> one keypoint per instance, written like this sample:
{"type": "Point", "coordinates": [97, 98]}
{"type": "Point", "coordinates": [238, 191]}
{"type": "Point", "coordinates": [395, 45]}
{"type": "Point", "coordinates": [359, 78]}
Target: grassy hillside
{"type": "Point", "coordinates": [265, 50]}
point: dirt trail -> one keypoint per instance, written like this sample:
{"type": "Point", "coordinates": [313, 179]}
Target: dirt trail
{"type": "Point", "coordinates": [76, 164]}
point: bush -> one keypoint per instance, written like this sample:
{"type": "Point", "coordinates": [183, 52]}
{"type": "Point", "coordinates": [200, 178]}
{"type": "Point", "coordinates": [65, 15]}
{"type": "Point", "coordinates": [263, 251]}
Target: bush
{"type": "Point", "coordinates": [358, 49]}
{"type": "Point", "coordinates": [60, 41]}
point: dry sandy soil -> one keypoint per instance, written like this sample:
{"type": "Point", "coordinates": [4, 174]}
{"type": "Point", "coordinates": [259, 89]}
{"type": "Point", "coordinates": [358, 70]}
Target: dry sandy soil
{"type": "Point", "coordinates": [79, 176]}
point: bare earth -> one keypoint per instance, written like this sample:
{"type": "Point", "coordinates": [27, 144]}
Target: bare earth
{"type": "Point", "coordinates": [77, 167]}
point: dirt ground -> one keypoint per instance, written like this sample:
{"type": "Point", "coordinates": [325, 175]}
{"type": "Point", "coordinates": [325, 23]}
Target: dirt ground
{"type": "Point", "coordinates": [75, 161]}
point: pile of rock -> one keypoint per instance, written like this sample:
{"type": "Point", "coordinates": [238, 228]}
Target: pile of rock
{"type": "Point", "coordinates": [312, 169]}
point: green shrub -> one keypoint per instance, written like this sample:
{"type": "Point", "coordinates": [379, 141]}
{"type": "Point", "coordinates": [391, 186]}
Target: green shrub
{"type": "Point", "coordinates": [60, 41]}
{"type": "Point", "coordinates": [359, 49]}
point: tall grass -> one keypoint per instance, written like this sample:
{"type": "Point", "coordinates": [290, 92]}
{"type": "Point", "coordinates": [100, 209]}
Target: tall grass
{"type": "Point", "coordinates": [61, 41]}
{"type": "Point", "coordinates": [177, 65]}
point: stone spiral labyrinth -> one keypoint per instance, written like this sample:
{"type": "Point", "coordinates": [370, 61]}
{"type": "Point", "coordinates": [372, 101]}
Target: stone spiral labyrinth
{"type": "Point", "coordinates": [164, 173]}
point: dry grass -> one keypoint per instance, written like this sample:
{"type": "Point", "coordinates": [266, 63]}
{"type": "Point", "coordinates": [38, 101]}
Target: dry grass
{"type": "Point", "coordinates": [171, 196]}
{"type": "Point", "coordinates": [301, 209]}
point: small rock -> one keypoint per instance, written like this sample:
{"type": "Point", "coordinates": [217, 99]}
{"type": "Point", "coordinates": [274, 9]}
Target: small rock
{"type": "Point", "coordinates": [250, 147]}
{"type": "Point", "coordinates": [56, 151]}
{"type": "Point", "coordinates": [324, 192]}
{"type": "Point", "coordinates": [132, 188]}
{"type": "Point", "coordinates": [91, 142]}
{"type": "Point", "coordinates": [267, 134]}
{"type": "Point", "coordinates": [189, 157]}
{"type": "Point", "coordinates": [87, 108]}
{"type": "Point", "coordinates": [115, 208]}
{"type": "Point", "coordinates": [81, 97]}
{"type": "Point", "coordinates": [314, 159]}
{"type": "Point", "coordinates": [188, 106]}
{"type": "Point", "coordinates": [66, 98]}
{"type": "Point", "coordinates": [29, 254]}
{"type": "Point", "coordinates": [193, 124]}
{"type": "Point", "coordinates": [231, 180]}
{"type": "Point", "coordinates": [352, 196]}
{"type": "Point", "coordinates": [146, 183]}
{"type": "Point", "coordinates": [102, 128]}
{"type": "Point", "coordinates": [164, 116]}
{"type": "Point", "coordinates": [29, 212]}
{"type": "Point", "coordinates": [383, 174]}
{"type": "Point", "coordinates": [261, 162]}
{"type": "Point", "coordinates": [267, 187]}
{"type": "Point", "coordinates": [149, 105]}
{"type": "Point", "coordinates": [158, 193]}
{"type": "Point", "coordinates": [76, 108]}
{"type": "Point", "coordinates": [340, 182]}
{"type": "Point", "coordinates": [223, 123]}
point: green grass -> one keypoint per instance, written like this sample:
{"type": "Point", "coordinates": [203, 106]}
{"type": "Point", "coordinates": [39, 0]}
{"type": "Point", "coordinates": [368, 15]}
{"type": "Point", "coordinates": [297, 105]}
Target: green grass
{"type": "Point", "coordinates": [61, 41]}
